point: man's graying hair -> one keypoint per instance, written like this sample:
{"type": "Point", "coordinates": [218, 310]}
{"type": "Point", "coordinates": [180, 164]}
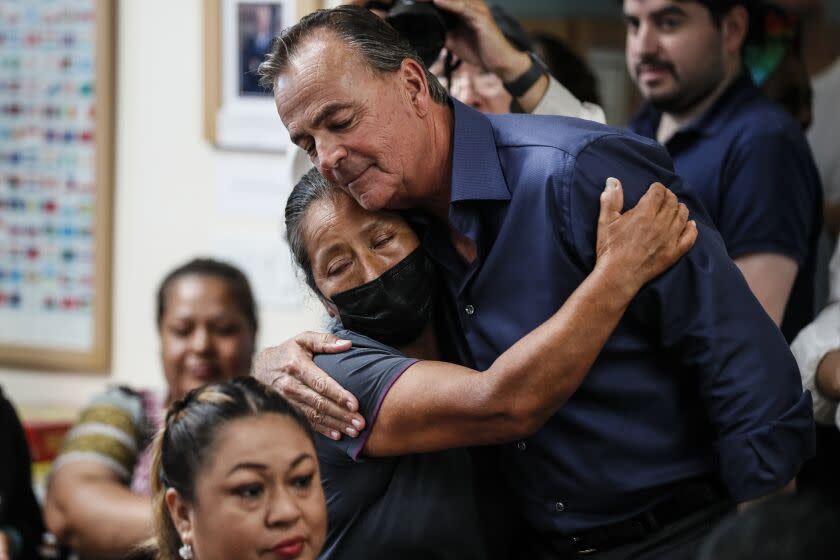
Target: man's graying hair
{"type": "Point", "coordinates": [381, 46]}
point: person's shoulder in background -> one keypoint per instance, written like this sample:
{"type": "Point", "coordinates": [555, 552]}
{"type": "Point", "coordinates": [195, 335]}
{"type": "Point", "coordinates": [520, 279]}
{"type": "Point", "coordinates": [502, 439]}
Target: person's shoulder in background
{"type": "Point", "coordinates": [113, 429]}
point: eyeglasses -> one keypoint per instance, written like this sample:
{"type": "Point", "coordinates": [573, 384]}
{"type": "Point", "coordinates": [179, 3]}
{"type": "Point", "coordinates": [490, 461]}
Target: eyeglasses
{"type": "Point", "coordinates": [485, 84]}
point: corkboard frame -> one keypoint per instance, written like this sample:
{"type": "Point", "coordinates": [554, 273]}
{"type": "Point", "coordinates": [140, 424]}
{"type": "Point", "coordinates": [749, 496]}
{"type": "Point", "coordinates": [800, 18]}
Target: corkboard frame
{"type": "Point", "coordinates": [97, 358]}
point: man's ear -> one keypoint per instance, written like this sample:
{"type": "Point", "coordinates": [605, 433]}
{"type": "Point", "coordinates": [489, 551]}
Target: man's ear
{"type": "Point", "coordinates": [734, 26]}
{"type": "Point", "coordinates": [181, 513]}
{"type": "Point", "coordinates": [416, 85]}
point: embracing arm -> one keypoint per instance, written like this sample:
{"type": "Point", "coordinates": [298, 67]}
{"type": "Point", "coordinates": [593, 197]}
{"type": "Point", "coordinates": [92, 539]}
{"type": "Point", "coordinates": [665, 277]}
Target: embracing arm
{"type": "Point", "coordinates": [290, 370]}
{"type": "Point", "coordinates": [90, 509]}
{"type": "Point", "coordinates": [437, 405]}
{"type": "Point", "coordinates": [704, 315]}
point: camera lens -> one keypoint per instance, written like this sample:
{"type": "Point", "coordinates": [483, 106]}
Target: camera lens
{"type": "Point", "coordinates": [423, 25]}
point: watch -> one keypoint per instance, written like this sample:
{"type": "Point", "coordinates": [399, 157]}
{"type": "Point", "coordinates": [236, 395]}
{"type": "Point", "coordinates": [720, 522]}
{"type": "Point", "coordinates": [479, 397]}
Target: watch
{"type": "Point", "coordinates": [523, 83]}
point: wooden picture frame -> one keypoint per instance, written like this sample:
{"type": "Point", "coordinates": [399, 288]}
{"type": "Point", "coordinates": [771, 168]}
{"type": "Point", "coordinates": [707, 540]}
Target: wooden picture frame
{"type": "Point", "coordinates": [234, 118]}
{"type": "Point", "coordinates": [55, 286]}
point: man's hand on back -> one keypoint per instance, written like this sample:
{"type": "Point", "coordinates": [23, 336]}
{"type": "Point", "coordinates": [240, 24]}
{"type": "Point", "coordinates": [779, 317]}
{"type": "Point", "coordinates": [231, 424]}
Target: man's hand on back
{"type": "Point", "coordinates": [289, 369]}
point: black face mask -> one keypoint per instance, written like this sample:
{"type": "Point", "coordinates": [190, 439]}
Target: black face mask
{"type": "Point", "coordinates": [394, 308]}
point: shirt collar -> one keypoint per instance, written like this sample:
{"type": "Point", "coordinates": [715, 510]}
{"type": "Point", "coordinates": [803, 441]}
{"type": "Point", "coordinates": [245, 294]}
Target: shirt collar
{"type": "Point", "coordinates": [476, 170]}
{"type": "Point", "coordinates": [721, 112]}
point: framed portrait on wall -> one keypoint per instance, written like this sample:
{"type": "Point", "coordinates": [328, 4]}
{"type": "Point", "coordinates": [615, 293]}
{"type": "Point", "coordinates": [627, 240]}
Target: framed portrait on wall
{"type": "Point", "coordinates": [56, 165]}
{"type": "Point", "coordinates": [239, 113]}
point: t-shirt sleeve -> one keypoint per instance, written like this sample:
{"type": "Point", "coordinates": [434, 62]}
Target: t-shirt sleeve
{"type": "Point", "coordinates": [368, 370]}
{"type": "Point", "coordinates": [769, 198]}
{"type": "Point", "coordinates": [110, 431]}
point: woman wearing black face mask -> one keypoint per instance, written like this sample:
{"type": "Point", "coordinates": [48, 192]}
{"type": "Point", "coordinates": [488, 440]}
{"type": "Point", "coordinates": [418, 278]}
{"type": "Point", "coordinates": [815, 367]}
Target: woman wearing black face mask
{"type": "Point", "coordinates": [404, 488]}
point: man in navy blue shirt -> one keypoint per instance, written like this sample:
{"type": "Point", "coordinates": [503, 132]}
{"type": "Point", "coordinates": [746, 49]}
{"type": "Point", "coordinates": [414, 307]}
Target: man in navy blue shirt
{"type": "Point", "coordinates": [695, 401]}
{"type": "Point", "coordinates": [745, 157]}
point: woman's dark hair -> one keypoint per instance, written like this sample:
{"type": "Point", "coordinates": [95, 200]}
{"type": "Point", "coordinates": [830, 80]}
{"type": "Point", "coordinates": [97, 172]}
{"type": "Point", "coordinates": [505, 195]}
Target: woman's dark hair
{"type": "Point", "coordinates": [312, 187]}
{"type": "Point", "coordinates": [235, 279]}
{"type": "Point", "coordinates": [567, 67]}
{"type": "Point", "coordinates": [192, 424]}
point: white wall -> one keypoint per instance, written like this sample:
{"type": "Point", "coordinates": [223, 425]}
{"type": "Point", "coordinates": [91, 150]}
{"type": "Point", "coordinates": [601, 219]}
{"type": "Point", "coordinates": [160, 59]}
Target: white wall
{"type": "Point", "coordinates": [166, 209]}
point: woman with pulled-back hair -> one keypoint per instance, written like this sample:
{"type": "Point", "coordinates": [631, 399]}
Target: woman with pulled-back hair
{"type": "Point", "coordinates": [235, 475]}
{"type": "Point", "coordinates": [98, 494]}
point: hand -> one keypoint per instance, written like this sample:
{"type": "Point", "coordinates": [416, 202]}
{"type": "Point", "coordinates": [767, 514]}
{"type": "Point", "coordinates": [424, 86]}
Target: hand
{"type": "Point", "coordinates": [645, 241]}
{"type": "Point", "coordinates": [289, 369]}
{"type": "Point", "coordinates": [477, 40]}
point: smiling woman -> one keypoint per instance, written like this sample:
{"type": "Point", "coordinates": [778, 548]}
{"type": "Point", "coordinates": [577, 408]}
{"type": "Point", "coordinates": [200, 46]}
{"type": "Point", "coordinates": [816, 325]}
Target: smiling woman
{"type": "Point", "coordinates": [236, 476]}
{"type": "Point", "coordinates": [97, 500]}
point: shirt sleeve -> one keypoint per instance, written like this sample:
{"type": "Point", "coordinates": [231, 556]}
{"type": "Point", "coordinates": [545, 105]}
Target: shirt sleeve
{"type": "Point", "coordinates": [769, 198]}
{"type": "Point", "coordinates": [559, 101]}
{"type": "Point", "coordinates": [809, 348]}
{"type": "Point", "coordinates": [703, 313]}
{"type": "Point", "coordinates": [368, 370]}
{"type": "Point", "coordinates": [110, 431]}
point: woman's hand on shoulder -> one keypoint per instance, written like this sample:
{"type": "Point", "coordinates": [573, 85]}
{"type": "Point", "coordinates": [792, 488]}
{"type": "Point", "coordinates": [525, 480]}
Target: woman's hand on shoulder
{"type": "Point", "coordinates": [289, 369]}
{"type": "Point", "coordinates": [635, 247]}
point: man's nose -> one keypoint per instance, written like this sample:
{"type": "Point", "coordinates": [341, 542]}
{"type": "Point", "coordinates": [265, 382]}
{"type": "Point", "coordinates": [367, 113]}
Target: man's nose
{"type": "Point", "coordinates": [646, 40]}
{"type": "Point", "coordinates": [330, 153]}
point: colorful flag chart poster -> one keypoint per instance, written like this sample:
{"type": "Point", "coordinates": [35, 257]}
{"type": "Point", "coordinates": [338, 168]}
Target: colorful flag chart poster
{"type": "Point", "coordinates": [55, 166]}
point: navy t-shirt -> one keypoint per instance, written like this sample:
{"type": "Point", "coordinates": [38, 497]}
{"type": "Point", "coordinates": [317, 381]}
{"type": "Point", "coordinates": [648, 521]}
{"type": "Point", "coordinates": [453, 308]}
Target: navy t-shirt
{"type": "Point", "coordinates": [750, 165]}
{"type": "Point", "coordinates": [413, 506]}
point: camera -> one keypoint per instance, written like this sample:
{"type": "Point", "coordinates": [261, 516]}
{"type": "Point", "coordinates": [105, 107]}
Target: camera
{"type": "Point", "coordinates": [423, 24]}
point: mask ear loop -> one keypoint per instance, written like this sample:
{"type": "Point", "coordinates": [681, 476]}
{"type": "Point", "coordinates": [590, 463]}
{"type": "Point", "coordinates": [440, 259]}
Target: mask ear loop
{"type": "Point", "coordinates": [450, 64]}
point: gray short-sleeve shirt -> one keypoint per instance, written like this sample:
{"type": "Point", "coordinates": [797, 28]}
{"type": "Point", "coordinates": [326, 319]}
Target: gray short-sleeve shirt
{"type": "Point", "coordinates": [412, 506]}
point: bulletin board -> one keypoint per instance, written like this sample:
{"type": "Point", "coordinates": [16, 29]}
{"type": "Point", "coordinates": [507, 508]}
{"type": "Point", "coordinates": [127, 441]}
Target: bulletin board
{"type": "Point", "coordinates": [56, 154]}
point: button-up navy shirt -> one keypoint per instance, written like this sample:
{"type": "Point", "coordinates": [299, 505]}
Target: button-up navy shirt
{"type": "Point", "coordinates": [696, 379]}
{"type": "Point", "coordinates": [752, 169]}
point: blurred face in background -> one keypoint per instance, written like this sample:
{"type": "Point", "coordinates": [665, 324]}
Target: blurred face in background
{"type": "Point", "coordinates": [472, 86]}
{"type": "Point", "coordinates": [205, 336]}
{"type": "Point", "coordinates": [675, 52]}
